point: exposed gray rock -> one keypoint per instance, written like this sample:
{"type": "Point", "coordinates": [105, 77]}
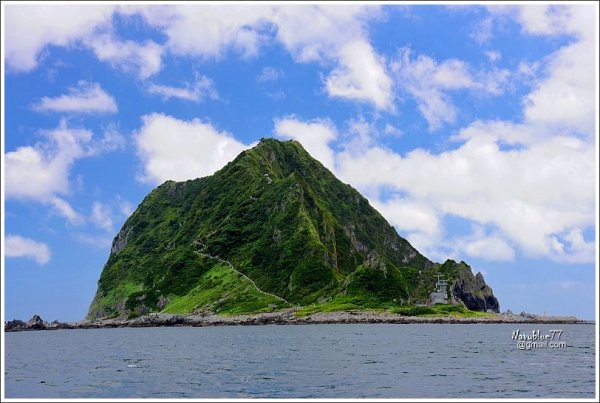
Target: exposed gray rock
{"type": "Point", "coordinates": [120, 241]}
{"type": "Point", "coordinates": [473, 291]}
{"type": "Point", "coordinates": [36, 322]}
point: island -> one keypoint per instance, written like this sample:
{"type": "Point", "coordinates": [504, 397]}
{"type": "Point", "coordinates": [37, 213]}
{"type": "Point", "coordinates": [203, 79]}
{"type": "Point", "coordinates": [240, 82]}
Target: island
{"type": "Point", "coordinates": [275, 238]}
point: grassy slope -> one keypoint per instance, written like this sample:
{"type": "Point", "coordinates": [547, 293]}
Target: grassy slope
{"type": "Point", "coordinates": [223, 291]}
{"type": "Point", "coordinates": [345, 303]}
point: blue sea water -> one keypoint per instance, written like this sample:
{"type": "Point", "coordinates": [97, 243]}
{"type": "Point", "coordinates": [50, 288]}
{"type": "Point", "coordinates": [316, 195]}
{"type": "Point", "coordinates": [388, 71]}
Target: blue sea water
{"type": "Point", "coordinates": [306, 361]}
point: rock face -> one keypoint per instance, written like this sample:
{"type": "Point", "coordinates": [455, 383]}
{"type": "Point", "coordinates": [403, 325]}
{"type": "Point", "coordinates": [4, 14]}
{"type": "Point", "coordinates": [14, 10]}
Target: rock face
{"type": "Point", "coordinates": [36, 322]}
{"type": "Point", "coordinates": [473, 291]}
{"type": "Point", "coordinates": [271, 230]}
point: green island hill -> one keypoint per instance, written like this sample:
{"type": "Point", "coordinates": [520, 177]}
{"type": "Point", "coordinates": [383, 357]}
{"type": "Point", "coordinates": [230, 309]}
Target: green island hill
{"type": "Point", "coordinates": [272, 230]}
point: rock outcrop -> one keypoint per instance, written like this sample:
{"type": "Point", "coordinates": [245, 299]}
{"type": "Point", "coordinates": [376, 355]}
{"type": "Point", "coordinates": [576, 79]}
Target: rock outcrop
{"type": "Point", "coordinates": [473, 290]}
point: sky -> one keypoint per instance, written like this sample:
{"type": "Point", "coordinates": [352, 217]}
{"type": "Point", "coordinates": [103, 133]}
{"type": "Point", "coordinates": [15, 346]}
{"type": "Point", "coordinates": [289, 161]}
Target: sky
{"type": "Point", "coordinates": [471, 128]}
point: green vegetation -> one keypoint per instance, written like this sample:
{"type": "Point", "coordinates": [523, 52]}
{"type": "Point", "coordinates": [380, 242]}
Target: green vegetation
{"type": "Point", "coordinates": [284, 221]}
{"type": "Point", "coordinates": [223, 291]}
{"type": "Point", "coordinates": [346, 303]}
{"type": "Point", "coordinates": [341, 303]}
{"type": "Point", "coordinates": [457, 311]}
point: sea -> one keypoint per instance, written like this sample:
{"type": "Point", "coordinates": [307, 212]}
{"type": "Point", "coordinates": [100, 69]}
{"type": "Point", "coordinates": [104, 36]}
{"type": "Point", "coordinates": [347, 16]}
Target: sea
{"type": "Point", "coordinates": [350, 361]}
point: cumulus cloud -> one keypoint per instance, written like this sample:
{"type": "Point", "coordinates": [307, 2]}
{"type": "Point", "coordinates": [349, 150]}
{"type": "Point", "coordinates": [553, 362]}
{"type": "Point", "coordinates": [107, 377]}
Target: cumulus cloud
{"type": "Point", "coordinates": [486, 246]}
{"type": "Point", "coordinates": [143, 59]}
{"type": "Point", "coordinates": [337, 38]}
{"type": "Point", "coordinates": [534, 207]}
{"type": "Point", "coordinates": [179, 150]}
{"type": "Point", "coordinates": [30, 28]}
{"type": "Point", "coordinates": [564, 84]}
{"type": "Point", "coordinates": [524, 189]}
{"type": "Point", "coordinates": [84, 98]}
{"type": "Point", "coordinates": [314, 137]}
{"type": "Point", "coordinates": [202, 88]}
{"type": "Point", "coordinates": [338, 35]}
{"type": "Point", "coordinates": [431, 82]}
{"type": "Point", "coordinates": [331, 27]}
{"type": "Point", "coordinates": [238, 28]}
{"type": "Point", "coordinates": [565, 96]}
{"type": "Point", "coordinates": [361, 76]}
{"type": "Point", "coordinates": [558, 19]}
{"type": "Point", "coordinates": [18, 246]}
{"type": "Point", "coordinates": [420, 221]}
{"type": "Point", "coordinates": [40, 171]}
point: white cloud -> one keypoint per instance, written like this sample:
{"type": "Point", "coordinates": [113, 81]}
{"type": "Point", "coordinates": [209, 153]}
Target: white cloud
{"type": "Point", "coordinates": [314, 137]}
{"type": "Point", "coordinates": [410, 216]}
{"type": "Point", "coordinates": [202, 88]}
{"type": "Point", "coordinates": [493, 55]}
{"type": "Point", "coordinates": [106, 216]}
{"type": "Point", "coordinates": [179, 150]}
{"type": "Point", "coordinates": [559, 19]}
{"type": "Point", "coordinates": [17, 246]}
{"type": "Point", "coordinates": [102, 241]}
{"type": "Point", "coordinates": [331, 27]}
{"type": "Point", "coordinates": [534, 195]}
{"type": "Point", "coordinates": [111, 141]}
{"type": "Point", "coordinates": [41, 171]}
{"type": "Point", "coordinates": [101, 216]}
{"type": "Point", "coordinates": [361, 134]}
{"type": "Point", "coordinates": [430, 82]}
{"type": "Point", "coordinates": [143, 59]}
{"type": "Point", "coordinates": [126, 208]}
{"type": "Point", "coordinates": [29, 28]}
{"type": "Point", "coordinates": [84, 98]}
{"type": "Point", "coordinates": [336, 36]}
{"type": "Point", "coordinates": [64, 209]}
{"type": "Point", "coordinates": [482, 31]}
{"type": "Point", "coordinates": [489, 247]}
{"type": "Point", "coordinates": [361, 76]}
{"type": "Point", "coordinates": [392, 130]}
{"type": "Point", "coordinates": [565, 97]}
{"type": "Point", "coordinates": [269, 73]}
{"type": "Point", "coordinates": [209, 31]}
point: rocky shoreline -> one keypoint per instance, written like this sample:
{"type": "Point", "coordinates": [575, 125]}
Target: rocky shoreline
{"type": "Point", "coordinates": [286, 317]}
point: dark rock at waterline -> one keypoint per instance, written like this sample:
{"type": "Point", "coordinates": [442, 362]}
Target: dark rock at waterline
{"type": "Point", "coordinates": [36, 322]}
{"type": "Point", "coordinates": [14, 325]}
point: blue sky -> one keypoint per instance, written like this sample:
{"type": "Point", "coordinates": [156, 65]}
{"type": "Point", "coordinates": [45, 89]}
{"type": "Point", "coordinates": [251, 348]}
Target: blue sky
{"type": "Point", "coordinates": [471, 128]}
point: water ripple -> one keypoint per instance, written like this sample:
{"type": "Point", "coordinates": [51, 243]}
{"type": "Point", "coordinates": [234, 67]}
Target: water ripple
{"type": "Point", "coordinates": [318, 361]}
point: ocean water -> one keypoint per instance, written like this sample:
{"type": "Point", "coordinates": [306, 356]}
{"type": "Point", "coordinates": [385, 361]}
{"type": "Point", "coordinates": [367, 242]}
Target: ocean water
{"type": "Point", "coordinates": [308, 361]}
